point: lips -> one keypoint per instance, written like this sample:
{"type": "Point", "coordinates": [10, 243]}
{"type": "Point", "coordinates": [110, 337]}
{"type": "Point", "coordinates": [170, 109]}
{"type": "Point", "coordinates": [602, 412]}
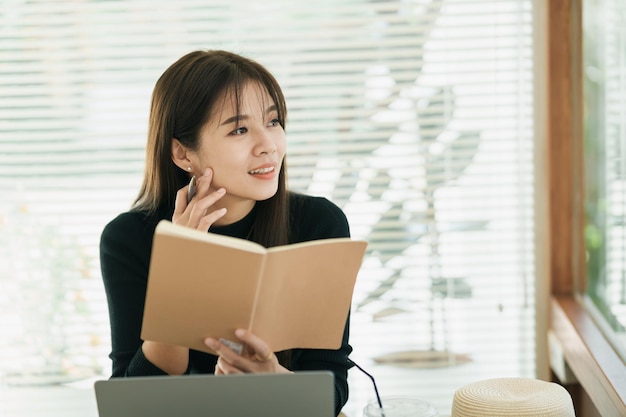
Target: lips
{"type": "Point", "coordinates": [263, 170]}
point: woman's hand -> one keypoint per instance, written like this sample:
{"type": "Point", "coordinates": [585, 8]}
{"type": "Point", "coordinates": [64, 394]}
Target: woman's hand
{"type": "Point", "coordinates": [258, 358]}
{"type": "Point", "coordinates": [200, 213]}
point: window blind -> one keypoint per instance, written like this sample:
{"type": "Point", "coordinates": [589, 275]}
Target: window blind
{"type": "Point", "coordinates": [414, 116]}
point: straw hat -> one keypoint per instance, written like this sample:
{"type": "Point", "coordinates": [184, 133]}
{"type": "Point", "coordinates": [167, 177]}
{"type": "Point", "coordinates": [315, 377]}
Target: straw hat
{"type": "Point", "coordinates": [518, 397]}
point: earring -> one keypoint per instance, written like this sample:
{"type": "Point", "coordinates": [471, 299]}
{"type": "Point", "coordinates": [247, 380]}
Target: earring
{"type": "Point", "coordinates": [189, 169]}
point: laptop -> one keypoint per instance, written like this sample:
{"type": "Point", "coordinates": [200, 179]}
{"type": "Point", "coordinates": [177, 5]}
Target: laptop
{"type": "Point", "coordinates": [301, 394]}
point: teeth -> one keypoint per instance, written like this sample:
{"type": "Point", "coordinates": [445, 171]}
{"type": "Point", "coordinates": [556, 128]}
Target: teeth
{"type": "Point", "coordinates": [261, 171]}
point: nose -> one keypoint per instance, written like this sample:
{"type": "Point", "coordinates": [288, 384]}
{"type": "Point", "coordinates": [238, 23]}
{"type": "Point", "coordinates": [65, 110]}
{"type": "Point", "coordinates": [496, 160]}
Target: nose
{"type": "Point", "coordinates": [265, 143]}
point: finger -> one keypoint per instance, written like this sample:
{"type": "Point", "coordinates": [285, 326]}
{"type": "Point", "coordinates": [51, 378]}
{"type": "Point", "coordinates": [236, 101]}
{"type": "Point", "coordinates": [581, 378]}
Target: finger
{"type": "Point", "coordinates": [180, 204]}
{"type": "Point", "coordinates": [218, 370]}
{"type": "Point", "coordinates": [262, 352]}
{"type": "Point", "coordinates": [260, 358]}
{"type": "Point", "coordinates": [211, 218]}
{"type": "Point", "coordinates": [232, 362]}
{"type": "Point", "coordinates": [203, 182]}
{"type": "Point", "coordinates": [205, 202]}
{"type": "Point", "coordinates": [226, 368]}
{"type": "Point", "coordinates": [203, 207]}
{"type": "Point", "coordinates": [201, 186]}
{"type": "Point", "coordinates": [183, 194]}
{"type": "Point", "coordinates": [222, 350]}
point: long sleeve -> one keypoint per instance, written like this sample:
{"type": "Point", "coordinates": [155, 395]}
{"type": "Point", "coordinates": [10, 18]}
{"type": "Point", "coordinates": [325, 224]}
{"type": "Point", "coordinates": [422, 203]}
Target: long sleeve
{"type": "Point", "coordinates": [335, 361]}
{"type": "Point", "coordinates": [125, 247]}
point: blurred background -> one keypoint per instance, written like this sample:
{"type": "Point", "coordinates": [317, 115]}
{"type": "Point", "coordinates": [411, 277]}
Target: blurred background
{"type": "Point", "coordinates": [414, 116]}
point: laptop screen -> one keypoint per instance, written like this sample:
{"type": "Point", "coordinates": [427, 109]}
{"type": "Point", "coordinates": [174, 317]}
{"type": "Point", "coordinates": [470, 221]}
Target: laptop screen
{"type": "Point", "coordinates": [302, 394]}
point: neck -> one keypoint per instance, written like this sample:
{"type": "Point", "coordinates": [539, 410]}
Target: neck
{"type": "Point", "coordinates": [235, 210]}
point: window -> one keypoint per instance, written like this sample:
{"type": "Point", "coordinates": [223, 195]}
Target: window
{"type": "Point", "coordinates": [581, 353]}
{"type": "Point", "coordinates": [604, 24]}
{"type": "Point", "coordinates": [415, 116]}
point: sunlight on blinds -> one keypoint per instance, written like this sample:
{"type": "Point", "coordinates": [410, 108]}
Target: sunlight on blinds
{"type": "Point", "coordinates": [415, 116]}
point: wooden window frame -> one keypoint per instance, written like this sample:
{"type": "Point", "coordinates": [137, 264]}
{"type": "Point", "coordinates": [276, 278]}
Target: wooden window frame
{"type": "Point", "coordinates": [598, 386]}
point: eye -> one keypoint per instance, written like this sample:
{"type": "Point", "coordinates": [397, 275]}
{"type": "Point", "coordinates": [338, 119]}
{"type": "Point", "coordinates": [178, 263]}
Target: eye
{"type": "Point", "coordinates": [274, 123]}
{"type": "Point", "coordinates": [239, 131]}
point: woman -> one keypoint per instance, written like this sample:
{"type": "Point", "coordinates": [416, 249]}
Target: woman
{"type": "Point", "coordinates": [219, 117]}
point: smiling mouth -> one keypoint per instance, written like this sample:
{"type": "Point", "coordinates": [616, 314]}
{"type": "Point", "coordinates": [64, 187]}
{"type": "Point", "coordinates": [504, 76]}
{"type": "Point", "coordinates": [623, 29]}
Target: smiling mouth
{"type": "Point", "coordinates": [261, 171]}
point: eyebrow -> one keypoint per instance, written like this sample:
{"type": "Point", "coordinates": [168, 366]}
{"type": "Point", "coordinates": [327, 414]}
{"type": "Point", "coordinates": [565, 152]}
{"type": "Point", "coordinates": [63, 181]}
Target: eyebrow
{"type": "Point", "coordinates": [239, 117]}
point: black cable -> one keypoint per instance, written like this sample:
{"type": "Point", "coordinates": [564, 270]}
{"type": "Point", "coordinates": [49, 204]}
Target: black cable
{"type": "Point", "coordinates": [380, 403]}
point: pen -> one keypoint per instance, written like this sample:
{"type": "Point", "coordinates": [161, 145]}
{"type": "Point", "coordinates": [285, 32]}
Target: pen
{"type": "Point", "coordinates": [191, 190]}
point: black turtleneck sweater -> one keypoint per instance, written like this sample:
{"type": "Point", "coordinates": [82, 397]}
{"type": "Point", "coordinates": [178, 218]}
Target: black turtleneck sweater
{"type": "Point", "coordinates": [125, 248]}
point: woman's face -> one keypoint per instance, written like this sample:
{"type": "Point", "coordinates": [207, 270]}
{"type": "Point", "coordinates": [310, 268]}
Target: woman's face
{"type": "Point", "coordinates": [244, 149]}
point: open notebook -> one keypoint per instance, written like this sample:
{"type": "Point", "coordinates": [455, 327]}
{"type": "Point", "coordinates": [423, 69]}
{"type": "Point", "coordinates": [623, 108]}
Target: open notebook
{"type": "Point", "coordinates": [302, 394]}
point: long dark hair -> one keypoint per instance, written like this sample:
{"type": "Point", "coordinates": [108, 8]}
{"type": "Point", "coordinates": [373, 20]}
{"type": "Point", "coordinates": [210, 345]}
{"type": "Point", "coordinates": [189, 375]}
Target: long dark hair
{"type": "Point", "coordinates": [184, 98]}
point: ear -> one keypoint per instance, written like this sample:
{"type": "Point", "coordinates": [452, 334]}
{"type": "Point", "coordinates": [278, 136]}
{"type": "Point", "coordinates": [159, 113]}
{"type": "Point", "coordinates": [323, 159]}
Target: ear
{"type": "Point", "coordinates": [181, 156]}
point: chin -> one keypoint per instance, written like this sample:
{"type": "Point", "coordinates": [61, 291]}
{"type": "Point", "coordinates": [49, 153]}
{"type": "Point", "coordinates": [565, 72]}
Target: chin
{"type": "Point", "coordinates": [265, 197]}
{"type": "Point", "coordinates": [261, 196]}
